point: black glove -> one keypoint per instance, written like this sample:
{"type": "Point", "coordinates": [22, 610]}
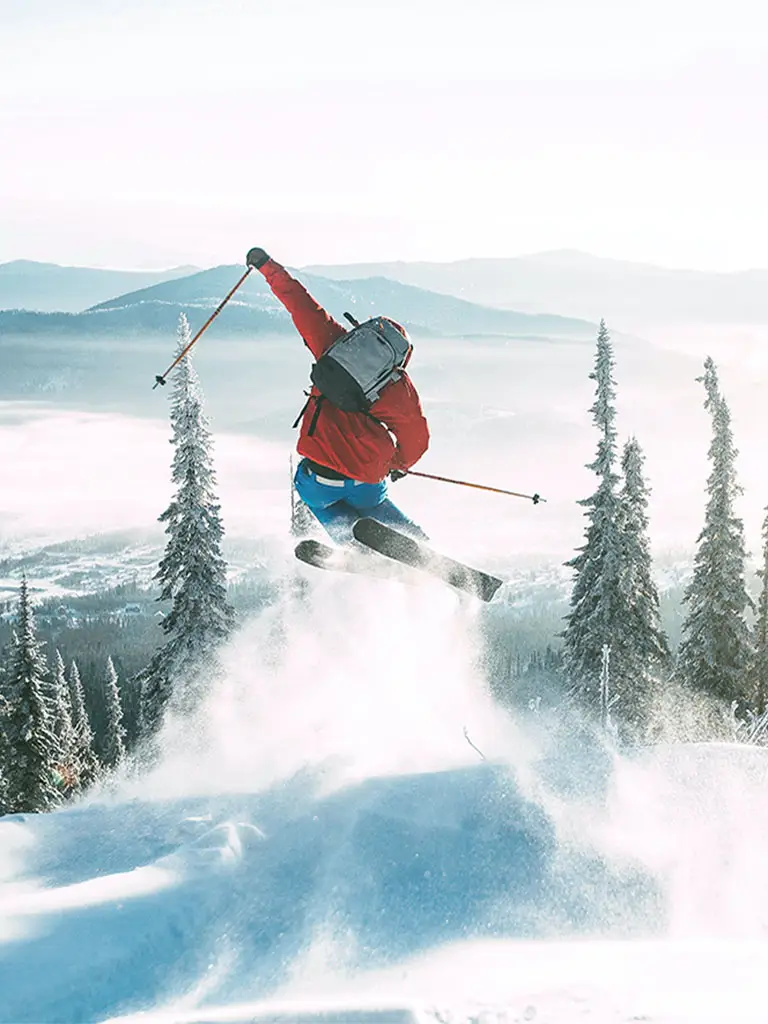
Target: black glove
{"type": "Point", "coordinates": [397, 474]}
{"type": "Point", "coordinates": [256, 258]}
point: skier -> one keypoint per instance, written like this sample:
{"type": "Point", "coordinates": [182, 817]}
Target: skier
{"type": "Point", "coordinates": [347, 456]}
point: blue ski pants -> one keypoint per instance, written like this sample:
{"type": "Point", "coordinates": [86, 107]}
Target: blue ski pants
{"type": "Point", "coordinates": [338, 504]}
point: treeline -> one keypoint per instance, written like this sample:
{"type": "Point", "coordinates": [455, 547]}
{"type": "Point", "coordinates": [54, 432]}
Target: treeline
{"type": "Point", "coordinates": [49, 748]}
{"type": "Point", "coordinates": [613, 659]}
{"type": "Point", "coordinates": [120, 624]}
{"type": "Point", "coordinates": [49, 751]}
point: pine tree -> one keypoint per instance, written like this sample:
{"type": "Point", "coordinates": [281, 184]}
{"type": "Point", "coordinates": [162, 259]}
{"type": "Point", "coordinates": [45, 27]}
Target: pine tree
{"type": "Point", "coordinates": [87, 761]}
{"type": "Point", "coordinates": [715, 652]}
{"type": "Point", "coordinates": [113, 745]}
{"type": "Point", "coordinates": [31, 745]}
{"type": "Point", "coordinates": [63, 729]}
{"type": "Point", "coordinates": [639, 646]}
{"type": "Point", "coordinates": [760, 661]}
{"type": "Point", "coordinates": [192, 573]}
{"type": "Point", "coordinates": [5, 749]}
{"type": "Point", "coordinates": [302, 520]}
{"type": "Point", "coordinates": [596, 598]}
{"type": "Point", "coordinates": [5, 709]}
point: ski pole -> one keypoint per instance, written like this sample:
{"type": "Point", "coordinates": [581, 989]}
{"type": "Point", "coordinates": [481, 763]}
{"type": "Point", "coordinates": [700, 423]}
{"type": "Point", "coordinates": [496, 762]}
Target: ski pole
{"type": "Point", "coordinates": [535, 498]}
{"type": "Point", "coordinates": [161, 378]}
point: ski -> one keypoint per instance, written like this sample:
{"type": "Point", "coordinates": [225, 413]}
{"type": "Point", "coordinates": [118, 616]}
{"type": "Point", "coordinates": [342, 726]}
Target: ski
{"type": "Point", "coordinates": [414, 553]}
{"type": "Point", "coordinates": [347, 559]}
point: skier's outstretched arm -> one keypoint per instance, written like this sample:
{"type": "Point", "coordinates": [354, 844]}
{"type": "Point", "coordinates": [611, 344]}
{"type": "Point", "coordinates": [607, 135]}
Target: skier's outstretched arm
{"type": "Point", "coordinates": [317, 327]}
{"type": "Point", "coordinates": [399, 409]}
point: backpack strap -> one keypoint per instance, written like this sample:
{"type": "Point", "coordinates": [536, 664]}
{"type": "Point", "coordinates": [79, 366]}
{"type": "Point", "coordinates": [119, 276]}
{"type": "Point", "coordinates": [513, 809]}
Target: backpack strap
{"type": "Point", "coordinates": [318, 406]}
{"type": "Point", "coordinates": [375, 419]}
{"type": "Point", "coordinates": [304, 407]}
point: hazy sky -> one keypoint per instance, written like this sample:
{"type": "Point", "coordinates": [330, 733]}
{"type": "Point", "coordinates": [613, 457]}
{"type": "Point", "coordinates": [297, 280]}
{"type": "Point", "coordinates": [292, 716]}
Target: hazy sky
{"type": "Point", "coordinates": [151, 132]}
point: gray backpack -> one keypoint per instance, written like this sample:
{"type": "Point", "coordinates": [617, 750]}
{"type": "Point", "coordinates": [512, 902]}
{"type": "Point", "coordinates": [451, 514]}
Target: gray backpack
{"type": "Point", "coordinates": [355, 369]}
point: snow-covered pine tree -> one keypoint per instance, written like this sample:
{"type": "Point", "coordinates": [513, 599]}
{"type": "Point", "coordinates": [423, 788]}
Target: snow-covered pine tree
{"type": "Point", "coordinates": [80, 721]}
{"type": "Point", "coordinates": [5, 708]}
{"type": "Point", "coordinates": [192, 573]}
{"type": "Point", "coordinates": [31, 746]}
{"type": "Point", "coordinates": [5, 750]}
{"type": "Point", "coordinates": [88, 764]}
{"type": "Point", "coordinates": [302, 519]}
{"type": "Point", "coordinates": [596, 597]}
{"type": "Point", "coordinates": [760, 661]}
{"type": "Point", "coordinates": [715, 649]}
{"type": "Point", "coordinates": [113, 743]}
{"type": "Point", "coordinates": [63, 730]}
{"type": "Point", "coordinates": [639, 646]}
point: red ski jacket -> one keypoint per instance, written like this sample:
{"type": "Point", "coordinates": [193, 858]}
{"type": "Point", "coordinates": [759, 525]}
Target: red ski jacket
{"type": "Point", "coordinates": [351, 442]}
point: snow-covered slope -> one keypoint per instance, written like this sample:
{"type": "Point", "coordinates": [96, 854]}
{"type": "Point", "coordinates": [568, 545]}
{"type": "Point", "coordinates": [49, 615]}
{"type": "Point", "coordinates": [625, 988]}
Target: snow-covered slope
{"type": "Point", "coordinates": [127, 905]}
{"type": "Point", "coordinates": [321, 843]}
{"type": "Point", "coordinates": [438, 893]}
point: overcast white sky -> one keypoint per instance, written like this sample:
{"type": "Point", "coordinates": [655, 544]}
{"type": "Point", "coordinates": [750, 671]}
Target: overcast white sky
{"type": "Point", "coordinates": [155, 132]}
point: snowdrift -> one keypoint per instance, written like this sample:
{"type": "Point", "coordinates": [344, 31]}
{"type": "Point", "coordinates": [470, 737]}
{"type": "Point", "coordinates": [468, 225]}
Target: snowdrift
{"type": "Point", "coordinates": [195, 903]}
{"type": "Point", "coordinates": [123, 906]}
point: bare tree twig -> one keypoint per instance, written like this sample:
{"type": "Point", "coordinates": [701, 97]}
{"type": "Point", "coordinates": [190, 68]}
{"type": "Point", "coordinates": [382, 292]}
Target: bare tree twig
{"type": "Point", "coordinates": [469, 741]}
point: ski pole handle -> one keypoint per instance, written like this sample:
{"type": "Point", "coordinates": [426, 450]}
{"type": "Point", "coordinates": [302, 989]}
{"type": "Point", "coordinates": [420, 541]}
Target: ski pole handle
{"type": "Point", "coordinates": [535, 498]}
{"type": "Point", "coordinates": [161, 378]}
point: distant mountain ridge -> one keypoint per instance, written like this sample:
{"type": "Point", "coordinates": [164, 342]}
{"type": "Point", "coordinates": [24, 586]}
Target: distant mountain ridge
{"type": "Point", "coordinates": [577, 284]}
{"type": "Point", "coordinates": [49, 287]}
{"type": "Point", "coordinates": [574, 284]}
{"type": "Point", "coordinates": [255, 309]}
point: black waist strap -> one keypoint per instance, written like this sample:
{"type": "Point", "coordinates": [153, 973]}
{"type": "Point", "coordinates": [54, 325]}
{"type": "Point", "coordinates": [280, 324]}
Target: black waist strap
{"type": "Point", "coordinates": [325, 471]}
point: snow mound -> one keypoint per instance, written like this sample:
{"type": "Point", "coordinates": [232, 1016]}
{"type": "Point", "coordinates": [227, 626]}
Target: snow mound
{"type": "Point", "coordinates": [123, 906]}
